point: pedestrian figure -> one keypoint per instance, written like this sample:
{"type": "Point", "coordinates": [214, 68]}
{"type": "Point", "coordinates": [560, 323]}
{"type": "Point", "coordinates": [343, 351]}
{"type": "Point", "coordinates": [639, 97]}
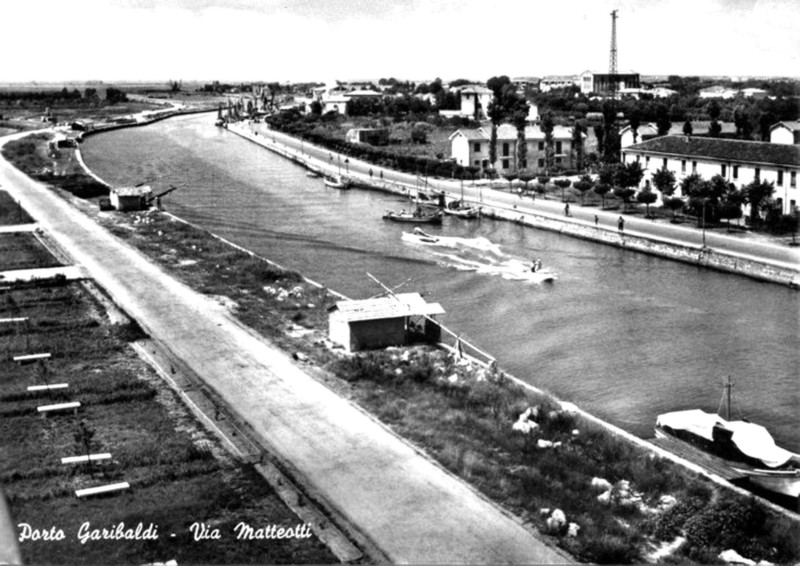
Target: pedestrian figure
{"type": "Point", "coordinates": [381, 174]}
{"type": "Point", "coordinates": [370, 173]}
{"type": "Point", "coordinates": [621, 224]}
{"type": "Point", "coordinates": [566, 209]}
{"type": "Point", "coordinates": [596, 220]}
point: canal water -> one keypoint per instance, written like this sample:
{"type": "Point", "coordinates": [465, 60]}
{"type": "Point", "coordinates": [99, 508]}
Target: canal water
{"type": "Point", "coordinates": [623, 335]}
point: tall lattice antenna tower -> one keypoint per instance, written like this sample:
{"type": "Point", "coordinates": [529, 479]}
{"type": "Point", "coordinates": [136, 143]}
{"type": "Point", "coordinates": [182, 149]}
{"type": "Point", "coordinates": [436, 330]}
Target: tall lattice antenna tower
{"type": "Point", "coordinates": [612, 60]}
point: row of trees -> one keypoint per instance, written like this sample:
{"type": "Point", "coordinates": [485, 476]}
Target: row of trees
{"type": "Point", "coordinates": [63, 97]}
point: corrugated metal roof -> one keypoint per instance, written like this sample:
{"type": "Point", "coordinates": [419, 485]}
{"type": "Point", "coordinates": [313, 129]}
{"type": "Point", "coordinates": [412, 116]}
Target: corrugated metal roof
{"type": "Point", "coordinates": [402, 304]}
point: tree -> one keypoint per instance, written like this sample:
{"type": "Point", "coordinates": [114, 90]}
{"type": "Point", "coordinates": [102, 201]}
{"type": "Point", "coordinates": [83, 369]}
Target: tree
{"type": "Point", "coordinates": [519, 117]}
{"type": "Point", "coordinates": [714, 110]}
{"type": "Point", "coordinates": [114, 95]}
{"type": "Point", "coordinates": [714, 129]}
{"type": "Point", "coordinates": [577, 143]}
{"type": "Point", "coordinates": [629, 175]}
{"type": "Point", "coordinates": [626, 194]}
{"type": "Point", "coordinates": [663, 123]}
{"type": "Point", "coordinates": [602, 189]}
{"type": "Point", "coordinates": [664, 181]}
{"type": "Point", "coordinates": [687, 128]}
{"type": "Point", "coordinates": [547, 127]}
{"type": "Point", "coordinates": [600, 134]}
{"type": "Point", "coordinates": [496, 113]}
{"type": "Point", "coordinates": [647, 197]}
{"type": "Point", "coordinates": [758, 195]}
{"type": "Point", "coordinates": [510, 177]}
{"type": "Point", "coordinates": [526, 178]}
{"type": "Point", "coordinates": [562, 184]}
{"type": "Point", "coordinates": [583, 185]}
{"type": "Point", "coordinates": [634, 121]}
{"type": "Point", "coordinates": [674, 204]}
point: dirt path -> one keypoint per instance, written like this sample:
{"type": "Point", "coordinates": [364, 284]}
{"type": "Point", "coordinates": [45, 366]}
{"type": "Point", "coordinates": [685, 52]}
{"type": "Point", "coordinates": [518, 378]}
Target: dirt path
{"type": "Point", "coordinates": [410, 508]}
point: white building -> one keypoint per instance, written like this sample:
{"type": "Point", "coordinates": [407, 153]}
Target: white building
{"type": "Point", "coordinates": [553, 82]}
{"type": "Point", "coordinates": [471, 148]}
{"type": "Point", "coordinates": [643, 133]}
{"type": "Point", "coordinates": [737, 161]}
{"type": "Point", "coordinates": [785, 132]}
{"type": "Point", "coordinates": [475, 101]}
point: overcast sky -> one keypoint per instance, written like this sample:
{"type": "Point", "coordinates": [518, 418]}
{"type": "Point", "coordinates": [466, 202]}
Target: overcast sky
{"type": "Point", "coordinates": [323, 40]}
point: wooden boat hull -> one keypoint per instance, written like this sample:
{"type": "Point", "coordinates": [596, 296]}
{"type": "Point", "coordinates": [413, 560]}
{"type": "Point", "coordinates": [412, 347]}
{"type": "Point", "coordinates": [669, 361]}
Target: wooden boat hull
{"type": "Point", "coordinates": [334, 184]}
{"type": "Point", "coordinates": [471, 212]}
{"type": "Point", "coordinates": [414, 219]}
{"type": "Point", "coordinates": [782, 482]}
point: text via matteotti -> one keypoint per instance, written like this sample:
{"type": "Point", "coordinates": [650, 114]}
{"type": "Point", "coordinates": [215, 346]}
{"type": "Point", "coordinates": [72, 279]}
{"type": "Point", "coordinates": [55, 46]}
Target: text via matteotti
{"type": "Point", "coordinates": [87, 533]}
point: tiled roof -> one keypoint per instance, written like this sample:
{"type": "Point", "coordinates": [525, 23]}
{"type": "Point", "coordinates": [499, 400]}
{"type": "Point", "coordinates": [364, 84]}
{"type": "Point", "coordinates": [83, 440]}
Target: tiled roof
{"type": "Point", "coordinates": [792, 126]}
{"type": "Point", "coordinates": [722, 149]}
{"type": "Point", "coordinates": [473, 89]}
{"type": "Point", "coordinates": [133, 191]}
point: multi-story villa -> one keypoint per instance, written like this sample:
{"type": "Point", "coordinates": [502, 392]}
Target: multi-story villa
{"type": "Point", "coordinates": [471, 148]}
{"type": "Point", "coordinates": [737, 161]}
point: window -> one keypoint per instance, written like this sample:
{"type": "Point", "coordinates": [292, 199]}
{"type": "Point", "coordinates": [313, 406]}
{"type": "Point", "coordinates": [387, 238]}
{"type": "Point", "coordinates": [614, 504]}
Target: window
{"type": "Point", "coordinates": [683, 166]}
{"type": "Point", "coordinates": [558, 161]}
{"type": "Point", "coordinates": [647, 161]}
{"type": "Point", "coordinates": [735, 171]}
{"type": "Point", "coordinates": [780, 178]}
{"type": "Point", "coordinates": [541, 146]}
{"type": "Point", "coordinates": [477, 163]}
{"type": "Point", "coordinates": [637, 159]}
{"type": "Point", "coordinates": [724, 170]}
{"type": "Point", "coordinates": [694, 166]}
{"type": "Point", "coordinates": [793, 179]}
{"type": "Point", "coordinates": [665, 163]}
{"type": "Point", "coordinates": [477, 147]}
{"type": "Point", "coordinates": [792, 205]}
{"type": "Point", "coordinates": [505, 149]}
{"type": "Point", "coordinates": [505, 163]}
{"type": "Point", "coordinates": [541, 163]}
{"type": "Point", "coordinates": [558, 147]}
{"type": "Point", "coordinates": [757, 176]}
{"type": "Point", "coordinates": [524, 163]}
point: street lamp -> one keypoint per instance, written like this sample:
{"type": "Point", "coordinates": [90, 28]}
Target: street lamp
{"type": "Point", "coordinates": [347, 164]}
{"type": "Point", "coordinates": [704, 222]}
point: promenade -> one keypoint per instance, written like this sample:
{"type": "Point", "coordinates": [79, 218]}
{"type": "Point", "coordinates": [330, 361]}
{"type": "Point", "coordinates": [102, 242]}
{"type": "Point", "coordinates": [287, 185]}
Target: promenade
{"type": "Point", "coordinates": [409, 507]}
{"type": "Point", "coordinates": [744, 253]}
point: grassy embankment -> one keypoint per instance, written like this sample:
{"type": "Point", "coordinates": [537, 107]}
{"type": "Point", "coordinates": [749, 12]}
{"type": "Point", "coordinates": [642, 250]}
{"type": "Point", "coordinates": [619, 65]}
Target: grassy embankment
{"type": "Point", "coordinates": [463, 416]}
{"type": "Point", "coordinates": [465, 421]}
{"type": "Point", "coordinates": [179, 475]}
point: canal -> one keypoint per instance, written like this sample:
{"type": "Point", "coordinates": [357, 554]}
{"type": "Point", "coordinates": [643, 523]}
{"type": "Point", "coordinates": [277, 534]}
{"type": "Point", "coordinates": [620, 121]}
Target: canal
{"type": "Point", "coordinates": [623, 335]}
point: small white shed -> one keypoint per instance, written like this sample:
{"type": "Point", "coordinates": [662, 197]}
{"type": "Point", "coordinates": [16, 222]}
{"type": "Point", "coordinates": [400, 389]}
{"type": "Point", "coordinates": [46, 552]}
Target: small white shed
{"type": "Point", "coordinates": [382, 322]}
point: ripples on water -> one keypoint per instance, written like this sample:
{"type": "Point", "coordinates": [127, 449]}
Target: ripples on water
{"type": "Point", "coordinates": [624, 335]}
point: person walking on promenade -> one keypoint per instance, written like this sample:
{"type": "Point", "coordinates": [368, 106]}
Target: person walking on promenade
{"type": "Point", "coordinates": [596, 220]}
{"type": "Point", "coordinates": [621, 224]}
{"type": "Point", "coordinates": [566, 209]}
{"type": "Point", "coordinates": [370, 174]}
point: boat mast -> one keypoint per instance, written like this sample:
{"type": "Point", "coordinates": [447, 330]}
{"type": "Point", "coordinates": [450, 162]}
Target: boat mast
{"type": "Point", "coordinates": [726, 396]}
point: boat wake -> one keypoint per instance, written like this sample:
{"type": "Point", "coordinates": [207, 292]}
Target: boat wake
{"type": "Point", "coordinates": [478, 255]}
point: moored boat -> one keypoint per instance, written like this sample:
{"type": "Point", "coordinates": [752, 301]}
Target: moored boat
{"type": "Point", "coordinates": [313, 174]}
{"type": "Point", "coordinates": [419, 235]}
{"type": "Point", "coordinates": [461, 209]}
{"type": "Point", "coordinates": [337, 182]}
{"type": "Point", "coordinates": [419, 216]}
{"type": "Point", "coordinates": [740, 449]}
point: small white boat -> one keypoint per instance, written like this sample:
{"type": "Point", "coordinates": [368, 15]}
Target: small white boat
{"type": "Point", "coordinates": [313, 174]}
{"type": "Point", "coordinates": [462, 210]}
{"type": "Point", "coordinates": [337, 183]}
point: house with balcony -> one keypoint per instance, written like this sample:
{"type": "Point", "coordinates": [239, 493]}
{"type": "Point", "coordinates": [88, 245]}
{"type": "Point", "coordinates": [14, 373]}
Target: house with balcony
{"type": "Point", "coordinates": [737, 161]}
{"type": "Point", "coordinates": [470, 147]}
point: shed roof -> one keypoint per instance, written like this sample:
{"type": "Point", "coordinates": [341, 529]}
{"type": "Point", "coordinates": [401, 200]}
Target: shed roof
{"type": "Point", "coordinates": [722, 149]}
{"type": "Point", "coordinates": [400, 305]}
{"type": "Point", "coordinates": [790, 125]}
{"type": "Point", "coordinates": [144, 190]}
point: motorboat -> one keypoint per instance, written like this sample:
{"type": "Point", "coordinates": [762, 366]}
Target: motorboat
{"type": "Point", "coordinates": [418, 216]}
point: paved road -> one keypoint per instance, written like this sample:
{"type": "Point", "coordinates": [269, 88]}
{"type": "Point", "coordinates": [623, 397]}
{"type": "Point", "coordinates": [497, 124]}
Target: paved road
{"type": "Point", "coordinates": [410, 508]}
{"type": "Point", "coordinates": [742, 244]}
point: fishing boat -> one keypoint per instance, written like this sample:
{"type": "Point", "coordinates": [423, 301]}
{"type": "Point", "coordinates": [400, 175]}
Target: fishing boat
{"type": "Point", "coordinates": [337, 182]}
{"type": "Point", "coordinates": [313, 174]}
{"type": "Point", "coordinates": [462, 210]}
{"type": "Point", "coordinates": [419, 216]}
{"type": "Point", "coordinates": [739, 449]}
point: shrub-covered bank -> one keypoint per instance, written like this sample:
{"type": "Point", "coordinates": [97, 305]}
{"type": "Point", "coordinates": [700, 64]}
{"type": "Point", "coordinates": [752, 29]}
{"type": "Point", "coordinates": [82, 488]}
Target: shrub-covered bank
{"type": "Point", "coordinates": [621, 500]}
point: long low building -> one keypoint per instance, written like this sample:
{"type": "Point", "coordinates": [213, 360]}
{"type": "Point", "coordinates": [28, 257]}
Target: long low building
{"type": "Point", "coordinates": [737, 161]}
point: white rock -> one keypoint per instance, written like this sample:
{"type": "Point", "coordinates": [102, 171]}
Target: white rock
{"type": "Point", "coordinates": [557, 521]}
{"type": "Point", "coordinates": [453, 378]}
{"type": "Point", "coordinates": [667, 501]}
{"type": "Point", "coordinates": [544, 511]}
{"type": "Point", "coordinates": [398, 371]}
{"type": "Point", "coordinates": [542, 443]}
{"type": "Point", "coordinates": [732, 557]}
{"type": "Point", "coordinates": [524, 426]}
{"type": "Point", "coordinates": [572, 529]}
{"type": "Point", "coordinates": [575, 432]}
{"type": "Point", "coordinates": [605, 497]}
{"type": "Point", "coordinates": [571, 408]}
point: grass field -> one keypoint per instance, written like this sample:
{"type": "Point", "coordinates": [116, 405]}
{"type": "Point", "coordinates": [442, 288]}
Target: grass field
{"type": "Point", "coordinates": [178, 473]}
{"type": "Point", "coordinates": [11, 212]}
{"type": "Point", "coordinates": [21, 250]}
